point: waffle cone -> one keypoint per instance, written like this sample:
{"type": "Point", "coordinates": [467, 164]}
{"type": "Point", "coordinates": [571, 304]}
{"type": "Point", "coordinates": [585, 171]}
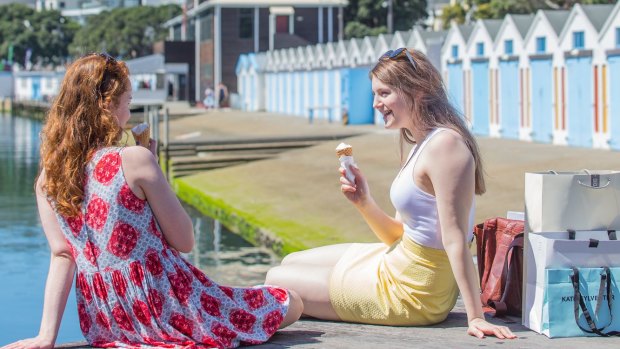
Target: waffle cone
{"type": "Point", "coordinates": [345, 152]}
{"type": "Point", "coordinates": [143, 137]}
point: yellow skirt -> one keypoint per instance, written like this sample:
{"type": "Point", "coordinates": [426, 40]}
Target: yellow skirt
{"type": "Point", "coordinates": [405, 284]}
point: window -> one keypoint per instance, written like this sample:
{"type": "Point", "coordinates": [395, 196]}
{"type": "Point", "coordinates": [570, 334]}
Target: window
{"type": "Point", "coordinates": [578, 40]}
{"type": "Point", "coordinates": [617, 37]}
{"type": "Point", "coordinates": [508, 47]}
{"type": "Point", "coordinates": [176, 33]}
{"type": "Point", "coordinates": [455, 51]}
{"type": "Point", "coordinates": [480, 49]}
{"type": "Point", "coordinates": [206, 27]}
{"type": "Point", "coordinates": [541, 44]}
{"type": "Point", "coordinates": [246, 23]}
{"type": "Point", "coordinates": [191, 30]}
{"type": "Point", "coordinates": [282, 24]}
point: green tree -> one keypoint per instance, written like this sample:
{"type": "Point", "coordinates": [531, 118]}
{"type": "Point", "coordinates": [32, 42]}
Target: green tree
{"type": "Point", "coordinates": [369, 17]}
{"type": "Point", "coordinates": [480, 9]}
{"type": "Point", "coordinates": [124, 32]}
{"type": "Point", "coordinates": [46, 34]}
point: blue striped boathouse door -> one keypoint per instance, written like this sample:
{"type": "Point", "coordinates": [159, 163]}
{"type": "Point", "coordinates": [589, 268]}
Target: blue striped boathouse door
{"type": "Point", "coordinates": [455, 85]}
{"type": "Point", "coordinates": [579, 104]}
{"type": "Point", "coordinates": [614, 102]}
{"type": "Point", "coordinates": [480, 97]}
{"type": "Point", "coordinates": [542, 100]}
{"type": "Point", "coordinates": [509, 98]}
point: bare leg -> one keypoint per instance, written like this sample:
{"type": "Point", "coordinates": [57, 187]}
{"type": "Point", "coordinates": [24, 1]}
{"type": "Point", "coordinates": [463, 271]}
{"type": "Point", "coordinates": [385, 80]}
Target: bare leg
{"type": "Point", "coordinates": [295, 309]}
{"type": "Point", "coordinates": [311, 282]}
{"type": "Point", "coordinates": [326, 256]}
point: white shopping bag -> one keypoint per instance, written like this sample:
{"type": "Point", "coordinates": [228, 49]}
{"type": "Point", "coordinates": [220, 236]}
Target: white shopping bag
{"type": "Point", "coordinates": [586, 200]}
{"type": "Point", "coordinates": [589, 249]}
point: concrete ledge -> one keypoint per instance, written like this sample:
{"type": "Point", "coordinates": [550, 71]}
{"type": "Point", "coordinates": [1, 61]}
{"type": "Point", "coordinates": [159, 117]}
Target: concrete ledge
{"type": "Point", "coordinates": [452, 333]}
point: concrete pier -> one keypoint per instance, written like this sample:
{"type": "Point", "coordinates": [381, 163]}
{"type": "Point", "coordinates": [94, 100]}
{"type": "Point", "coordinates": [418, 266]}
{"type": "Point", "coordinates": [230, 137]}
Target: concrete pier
{"type": "Point", "coordinates": [292, 201]}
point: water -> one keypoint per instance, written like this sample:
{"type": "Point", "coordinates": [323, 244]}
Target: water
{"type": "Point", "coordinates": [24, 253]}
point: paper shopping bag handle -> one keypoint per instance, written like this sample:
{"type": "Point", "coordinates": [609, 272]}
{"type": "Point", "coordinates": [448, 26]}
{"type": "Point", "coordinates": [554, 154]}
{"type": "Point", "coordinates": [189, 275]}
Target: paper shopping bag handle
{"type": "Point", "coordinates": [595, 182]}
{"type": "Point", "coordinates": [578, 302]}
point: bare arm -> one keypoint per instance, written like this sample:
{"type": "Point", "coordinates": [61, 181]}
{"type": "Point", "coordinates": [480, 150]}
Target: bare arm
{"type": "Point", "coordinates": [59, 278]}
{"type": "Point", "coordinates": [388, 229]}
{"type": "Point", "coordinates": [146, 180]}
{"type": "Point", "coordinates": [452, 174]}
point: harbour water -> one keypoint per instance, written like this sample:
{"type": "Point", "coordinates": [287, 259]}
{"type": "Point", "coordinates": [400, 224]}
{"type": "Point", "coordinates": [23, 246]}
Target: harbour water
{"type": "Point", "coordinates": [24, 253]}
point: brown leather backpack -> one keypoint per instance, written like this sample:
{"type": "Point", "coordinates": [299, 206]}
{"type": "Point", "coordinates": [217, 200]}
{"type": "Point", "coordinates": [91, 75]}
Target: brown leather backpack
{"type": "Point", "coordinates": [500, 265]}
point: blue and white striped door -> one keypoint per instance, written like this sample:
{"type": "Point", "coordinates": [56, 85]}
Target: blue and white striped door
{"type": "Point", "coordinates": [331, 94]}
{"type": "Point", "coordinates": [542, 100]}
{"type": "Point", "coordinates": [455, 86]}
{"type": "Point", "coordinates": [480, 98]}
{"type": "Point", "coordinates": [614, 101]}
{"type": "Point", "coordinates": [284, 93]}
{"type": "Point", "coordinates": [269, 91]}
{"type": "Point", "coordinates": [36, 89]}
{"type": "Point", "coordinates": [298, 94]}
{"type": "Point", "coordinates": [318, 92]}
{"type": "Point", "coordinates": [509, 99]}
{"type": "Point", "coordinates": [579, 104]}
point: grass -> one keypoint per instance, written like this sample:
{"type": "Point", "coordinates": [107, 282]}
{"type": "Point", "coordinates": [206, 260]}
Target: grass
{"type": "Point", "coordinates": [255, 221]}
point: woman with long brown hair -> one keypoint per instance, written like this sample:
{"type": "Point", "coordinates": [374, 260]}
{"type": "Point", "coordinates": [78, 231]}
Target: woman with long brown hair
{"type": "Point", "coordinates": [413, 276]}
{"type": "Point", "coordinates": [111, 218]}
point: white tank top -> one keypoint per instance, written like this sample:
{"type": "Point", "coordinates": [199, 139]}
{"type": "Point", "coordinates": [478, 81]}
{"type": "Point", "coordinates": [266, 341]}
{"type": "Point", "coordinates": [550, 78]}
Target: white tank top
{"type": "Point", "coordinates": [417, 208]}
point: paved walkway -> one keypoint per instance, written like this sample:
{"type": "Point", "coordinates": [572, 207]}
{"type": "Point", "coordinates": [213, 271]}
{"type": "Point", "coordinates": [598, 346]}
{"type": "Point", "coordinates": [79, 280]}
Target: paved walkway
{"type": "Point", "coordinates": [452, 333]}
{"type": "Point", "coordinates": [295, 196]}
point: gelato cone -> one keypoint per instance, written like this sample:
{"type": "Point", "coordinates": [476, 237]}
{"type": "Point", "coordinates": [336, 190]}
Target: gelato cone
{"type": "Point", "coordinates": [345, 155]}
{"type": "Point", "coordinates": [344, 149]}
{"type": "Point", "coordinates": [141, 133]}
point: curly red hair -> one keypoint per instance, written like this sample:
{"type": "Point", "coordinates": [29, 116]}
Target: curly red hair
{"type": "Point", "coordinates": [80, 121]}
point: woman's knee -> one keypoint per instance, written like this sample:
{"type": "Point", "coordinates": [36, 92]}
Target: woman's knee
{"type": "Point", "coordinates": [295, 309]}
{"type": "Point", "coordinates": [274, 276]}
{"type": "Point", "coordinates": [291, 258]}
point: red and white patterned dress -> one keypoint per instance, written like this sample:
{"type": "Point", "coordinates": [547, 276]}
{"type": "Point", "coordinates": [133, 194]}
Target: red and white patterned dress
{"type": "Point", "coordinates": [134, 290]}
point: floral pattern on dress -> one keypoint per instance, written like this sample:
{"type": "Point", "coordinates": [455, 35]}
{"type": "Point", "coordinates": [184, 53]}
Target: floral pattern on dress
{"type": "Point", "coordinates": [135, 291]}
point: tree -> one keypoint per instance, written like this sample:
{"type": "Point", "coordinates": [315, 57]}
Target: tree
{"type": "Point", "coordinates": [124, 32]}
{"type": "Point", "coordinates": [45, 34]}
{"type": "Point", "coordinates": [369, 17]}
{"type": "Point", "coordinates": [481, 9]}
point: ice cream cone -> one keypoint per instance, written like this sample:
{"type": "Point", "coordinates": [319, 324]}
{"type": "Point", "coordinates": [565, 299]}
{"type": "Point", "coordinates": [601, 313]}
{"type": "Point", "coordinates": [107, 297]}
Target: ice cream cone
{"type": "Point", "coordinates": [344, 150]}
{"type": "Point", "coordinates": [345, 155]}
{"type": "Point", "coordinates": [141, 134]}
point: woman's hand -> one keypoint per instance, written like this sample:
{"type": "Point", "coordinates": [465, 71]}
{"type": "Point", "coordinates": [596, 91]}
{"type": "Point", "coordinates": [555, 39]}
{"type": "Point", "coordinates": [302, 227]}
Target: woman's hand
{"type": "Point", "coordinates": [358, 192]}
{"type": "Point", "coordinates": [153, 148]}
{"type": "Point", "coordinates": [479, 328]}
{"type": "Point", "coordinates": [31, 343]}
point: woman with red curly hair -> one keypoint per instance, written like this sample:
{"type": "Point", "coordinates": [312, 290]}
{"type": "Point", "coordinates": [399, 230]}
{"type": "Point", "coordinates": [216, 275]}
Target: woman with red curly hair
{"type": "Point", "coordinates": [111, 218]}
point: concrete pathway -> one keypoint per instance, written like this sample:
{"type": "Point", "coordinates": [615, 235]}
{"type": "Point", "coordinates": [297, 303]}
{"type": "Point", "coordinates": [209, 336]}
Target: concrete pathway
{"type": "Point", "coordinates": [295, 197]}
{"type": "Point", "coordinates": [452, 333]}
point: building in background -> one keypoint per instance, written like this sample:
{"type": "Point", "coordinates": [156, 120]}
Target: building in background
{"type": "Point", "coordinates": [224, 29]}
{"type": "Point", "coordinates": [31, 3]}
{"type": "Point", "coordinates": [434, 9]}
{"type": "Point", "coordinates": [79, 10]}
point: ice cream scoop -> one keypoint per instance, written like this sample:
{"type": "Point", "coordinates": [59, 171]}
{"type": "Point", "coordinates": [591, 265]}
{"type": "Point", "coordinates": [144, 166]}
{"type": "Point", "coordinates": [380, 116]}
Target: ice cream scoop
{"type": "Point", "coordinates": [141, 133]}
{"type": "Point", "coordinates": [345, 155]}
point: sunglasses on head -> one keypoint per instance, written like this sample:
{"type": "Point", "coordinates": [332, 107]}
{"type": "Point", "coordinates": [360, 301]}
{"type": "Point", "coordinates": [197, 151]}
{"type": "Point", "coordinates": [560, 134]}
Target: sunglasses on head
{"type": "Point", "coordinates": [394, 54]}
{"type": "Point", "coordinates": [107, 57]}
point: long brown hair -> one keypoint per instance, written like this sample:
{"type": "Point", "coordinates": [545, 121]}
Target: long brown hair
{"type": "Point", "coordinates": [80, 121]}
{"type": "Point", "coordinates": [422, 88]}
